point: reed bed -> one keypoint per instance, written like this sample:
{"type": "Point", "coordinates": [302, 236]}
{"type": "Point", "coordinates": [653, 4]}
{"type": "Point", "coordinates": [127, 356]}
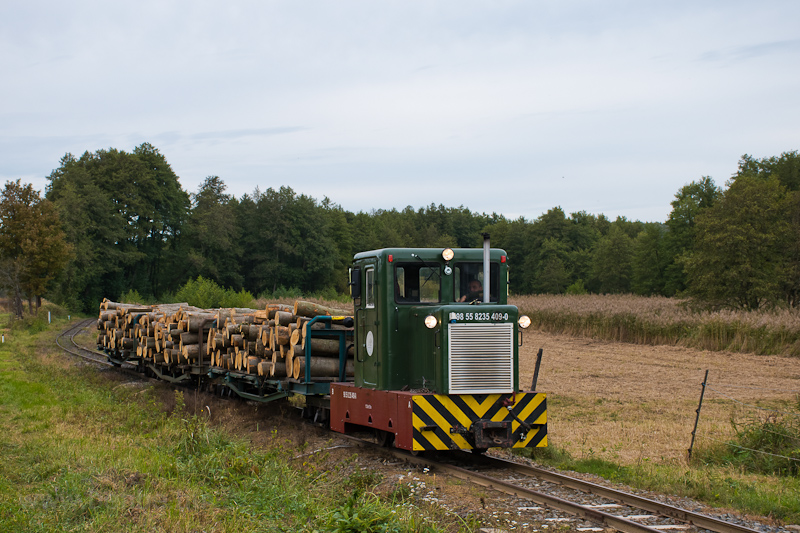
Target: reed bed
{"type": "Point", "coordinates": [664, 321]}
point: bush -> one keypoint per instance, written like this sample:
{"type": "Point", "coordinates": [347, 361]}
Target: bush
{"type": "Point", "coordinates": [132, 297]}
{"type": "Point", "coordinates": [283, 293]}
{"type": "Point", "coordinates": [327, 294]}
{"type": "Point", "coordinates": [242, 298]}
{"type": "Point", "coordinates": [577, 288]}
{"type": "Point", "coordinates": [767, 444]}
{"type": "Point", "coordinates": [205, 293]}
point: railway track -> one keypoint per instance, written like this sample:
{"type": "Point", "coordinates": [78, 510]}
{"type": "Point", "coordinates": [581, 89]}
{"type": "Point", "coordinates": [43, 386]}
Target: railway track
{"type": "Point", "coordinates": [66, 341]}
{"type": "Point", "coordinates": [552, 493]}
{"type": "Point", "coordinates": [620, 510]}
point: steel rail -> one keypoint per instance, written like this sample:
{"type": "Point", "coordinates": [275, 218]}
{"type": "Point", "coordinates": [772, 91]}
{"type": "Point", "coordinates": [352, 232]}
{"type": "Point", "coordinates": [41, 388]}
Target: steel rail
{"type": "Point", "coordinates": [71, 332]}
{"type": "Point", "coordinates": [615, 522]}
{"type": "Point", "coordinates": [582, 511]}
{"type": "Point", "coordinates": [658, 509]}
{"type": "Point", "coordinates": [93, 356]}
{"type": "Point", "coordinates": [689, 517]}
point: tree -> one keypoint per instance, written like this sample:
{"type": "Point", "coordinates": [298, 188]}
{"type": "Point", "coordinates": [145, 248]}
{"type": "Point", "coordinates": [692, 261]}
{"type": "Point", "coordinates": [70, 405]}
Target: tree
{"type": "Point", "coordinates": [552, 276]}
{"type": "Point", "coordinates": [32, 246]}
{"type": "Point", "coordinates": [689, 202]}
{"type": "Point", "coordinates": [786, 169]}
{"type": "Point", "coordinates": [648, 262]}
{"type": "Point", "coordinates": [286, 241]}
{"type": "Point", "coordinates": [123, 213]}
{"type": "Point", "coordinates": [611, 264]}
{"type": "Point", "coordinates": [739, 258]}
{"type": "Point", "coordinates": [211, 236]}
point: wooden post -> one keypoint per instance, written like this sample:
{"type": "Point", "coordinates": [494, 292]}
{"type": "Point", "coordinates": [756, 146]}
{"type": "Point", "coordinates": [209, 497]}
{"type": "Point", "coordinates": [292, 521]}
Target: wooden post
{"type": "Point", "coordinates": [536, 372]}
{"type": "Point", "coordinates": [697, 419]}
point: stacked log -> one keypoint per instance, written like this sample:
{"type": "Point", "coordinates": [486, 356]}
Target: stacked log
{"type": "Point", "coordinates": [268, 342]}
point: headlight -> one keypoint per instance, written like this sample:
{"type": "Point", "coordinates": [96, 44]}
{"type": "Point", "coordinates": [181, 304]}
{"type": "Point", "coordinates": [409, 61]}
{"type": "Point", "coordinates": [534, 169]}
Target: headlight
{"type": "Point", "coordinates": [430, 321]}
{"type": "Point", "coordinates": [524, 321]}
{"type": "Point", "coordinates": [448, 254]}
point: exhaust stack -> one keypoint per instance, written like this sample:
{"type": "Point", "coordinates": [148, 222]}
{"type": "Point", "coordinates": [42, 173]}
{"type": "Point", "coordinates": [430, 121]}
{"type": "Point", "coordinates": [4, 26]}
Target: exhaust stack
{"type": "Point", "coordinates": [487, 272]}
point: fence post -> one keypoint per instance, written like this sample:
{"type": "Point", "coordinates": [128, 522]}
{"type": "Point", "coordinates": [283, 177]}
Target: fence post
{"type": "Point", "coordinates": [536, 372]}
{"type": "Point", "coordinates": [697, 419]}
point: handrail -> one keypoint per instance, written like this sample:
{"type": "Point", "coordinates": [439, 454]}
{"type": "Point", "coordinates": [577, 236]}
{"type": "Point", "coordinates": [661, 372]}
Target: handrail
{"type": "Point", "coordinates": [341, 334]}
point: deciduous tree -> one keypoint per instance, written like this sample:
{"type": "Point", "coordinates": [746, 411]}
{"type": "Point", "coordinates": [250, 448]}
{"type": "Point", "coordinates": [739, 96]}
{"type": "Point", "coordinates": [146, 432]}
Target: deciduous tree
{"type": "Point", "coordinates": [739, 258]}
{"type": "Point", "coordinates": [32, 245]}
{"type": "Point", "coordinates": [689, 201]}
{"type": "Point", "coordinates": [611, 262]}
{"type": "Point", "coordinates": [123, 213]}
{"type": "Point", "coordinates": [211, 237]}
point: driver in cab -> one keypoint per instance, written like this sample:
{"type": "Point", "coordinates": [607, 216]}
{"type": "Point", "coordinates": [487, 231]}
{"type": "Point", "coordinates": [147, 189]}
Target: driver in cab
{"type": "Point", "coordinates": [475, 292]}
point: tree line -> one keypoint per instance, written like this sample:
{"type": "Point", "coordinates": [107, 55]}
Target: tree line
{"type": "Point", "coordinates": [125, 223]}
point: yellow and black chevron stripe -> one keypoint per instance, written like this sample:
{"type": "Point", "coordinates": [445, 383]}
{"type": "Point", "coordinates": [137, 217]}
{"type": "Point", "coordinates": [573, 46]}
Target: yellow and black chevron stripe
{"type": "Point", "coordinates": [438, 419]}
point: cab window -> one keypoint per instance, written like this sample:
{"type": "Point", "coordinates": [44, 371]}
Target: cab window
{"type": "Point", "coordinates": [369, 295]}
{"type": "Point", "coordinates": [469, 282]}
{"type": "Point", "coordinates": [418, 283]}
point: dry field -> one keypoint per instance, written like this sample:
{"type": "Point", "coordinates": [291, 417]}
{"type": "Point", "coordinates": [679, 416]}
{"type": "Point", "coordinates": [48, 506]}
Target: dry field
{"type": "Point", "coordinates": [629, 403]}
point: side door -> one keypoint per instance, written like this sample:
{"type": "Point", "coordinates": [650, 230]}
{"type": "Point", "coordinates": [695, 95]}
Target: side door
{"type": "Point", "coordinates": [368, 345]}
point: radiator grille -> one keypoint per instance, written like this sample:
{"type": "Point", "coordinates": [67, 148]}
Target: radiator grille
{"type": "Point", "coordinates": [481, 358]}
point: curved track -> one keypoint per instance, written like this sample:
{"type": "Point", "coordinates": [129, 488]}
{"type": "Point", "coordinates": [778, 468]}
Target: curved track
{"type": "Point", "coordinates": [66, 341]}
{"type": "Point", "coordinates": [607, 507]}
{"type": "Point", "coordinates": [72, 347]}
{"type": "Point", "coordinates": [631, 512]}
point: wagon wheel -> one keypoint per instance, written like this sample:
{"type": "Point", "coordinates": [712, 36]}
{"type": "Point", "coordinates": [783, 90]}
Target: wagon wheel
{"type": "Point", "coordinates": [385, 438]}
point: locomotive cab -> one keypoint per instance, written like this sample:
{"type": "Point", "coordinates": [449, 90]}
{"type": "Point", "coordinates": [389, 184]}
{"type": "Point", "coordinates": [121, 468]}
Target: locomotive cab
{"type": "Point", "coordinates": [436, 352]}
{"type": "Point", "coordinates": [419, 326]}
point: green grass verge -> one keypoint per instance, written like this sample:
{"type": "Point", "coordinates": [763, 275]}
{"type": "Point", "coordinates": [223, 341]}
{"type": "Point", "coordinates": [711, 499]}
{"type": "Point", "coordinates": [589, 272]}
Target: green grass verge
{"type": "Point", "coordinates": [772, 496]}
{"type": "Point", "coordinates": [83, 453]}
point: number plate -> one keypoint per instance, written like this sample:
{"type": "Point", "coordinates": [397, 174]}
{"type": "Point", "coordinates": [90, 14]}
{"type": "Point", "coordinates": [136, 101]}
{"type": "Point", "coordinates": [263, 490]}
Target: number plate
{"type": "Point", "coordinates": [478, 317]}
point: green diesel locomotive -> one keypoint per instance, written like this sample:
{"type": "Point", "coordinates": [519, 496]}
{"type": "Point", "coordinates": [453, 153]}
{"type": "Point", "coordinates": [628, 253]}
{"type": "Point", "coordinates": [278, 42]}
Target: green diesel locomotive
{"type": "Point", "coordinates": [437, 353]}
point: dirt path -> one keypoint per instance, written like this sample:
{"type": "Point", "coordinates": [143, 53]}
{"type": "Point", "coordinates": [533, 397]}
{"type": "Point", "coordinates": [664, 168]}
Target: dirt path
{"type": "Point", "coordinates": [631, 402]}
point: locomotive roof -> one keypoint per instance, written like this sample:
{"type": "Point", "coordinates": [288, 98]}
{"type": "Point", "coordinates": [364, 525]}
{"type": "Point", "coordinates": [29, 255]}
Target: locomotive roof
{"type": "Point", "coordinates": [431, 254]}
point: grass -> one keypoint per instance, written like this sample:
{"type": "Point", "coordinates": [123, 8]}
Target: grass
{"type": "Point", "coordinates": [764, 443]}
{"type": "Point", "coordinates": [85, 450]}
{"type": "Point", "coordinates": [659, 320]}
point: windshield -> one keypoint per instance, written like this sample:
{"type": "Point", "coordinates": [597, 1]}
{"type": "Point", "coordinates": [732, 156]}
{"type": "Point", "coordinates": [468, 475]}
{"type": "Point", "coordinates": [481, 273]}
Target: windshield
{"type": "Point", "coordinates": [469, 282]}
{"type": "Point", "coordinates": [418, 283]}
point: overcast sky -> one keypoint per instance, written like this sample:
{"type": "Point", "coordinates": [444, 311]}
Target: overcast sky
{"type": "Point", "coordinates": [513, 107]}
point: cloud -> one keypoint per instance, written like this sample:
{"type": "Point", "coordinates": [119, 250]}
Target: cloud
{"type": "Point", "coordinates": [387, 104]}
{"type": "Point", "coordinates": [752, 51]}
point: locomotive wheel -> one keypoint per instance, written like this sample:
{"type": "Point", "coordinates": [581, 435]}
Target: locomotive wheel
{"type": "Point", "coordinates": [385, 438]}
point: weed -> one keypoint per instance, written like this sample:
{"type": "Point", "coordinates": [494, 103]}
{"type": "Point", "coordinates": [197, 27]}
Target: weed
{"type": "Point", "coordinates": [363, 514]}
{"type": "Point", "coordinates": [765, 444]}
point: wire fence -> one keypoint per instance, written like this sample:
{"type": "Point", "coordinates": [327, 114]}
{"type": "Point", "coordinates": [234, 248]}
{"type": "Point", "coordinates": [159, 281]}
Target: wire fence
{"type": "Point", "coordinates": [781, 422]}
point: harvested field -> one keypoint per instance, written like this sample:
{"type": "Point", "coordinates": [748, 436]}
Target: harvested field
{"type": "Point", "coordinates": [629, 403]}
